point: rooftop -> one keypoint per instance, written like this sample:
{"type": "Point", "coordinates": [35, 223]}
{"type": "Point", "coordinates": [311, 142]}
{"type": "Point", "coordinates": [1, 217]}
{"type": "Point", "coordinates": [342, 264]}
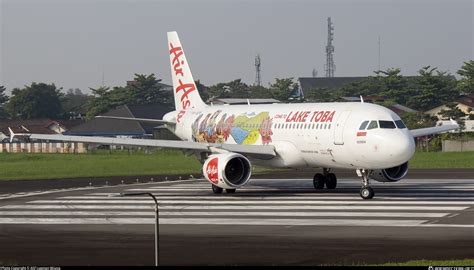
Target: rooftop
{"type": "Point", "coordinates": [114, 127]}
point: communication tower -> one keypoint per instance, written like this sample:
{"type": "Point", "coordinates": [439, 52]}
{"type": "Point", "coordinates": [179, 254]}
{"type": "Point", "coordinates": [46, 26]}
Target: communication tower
{"type": "Point", "coordinates": [330, 67]}
{"type": "Point", "coordinates": [258, 78]}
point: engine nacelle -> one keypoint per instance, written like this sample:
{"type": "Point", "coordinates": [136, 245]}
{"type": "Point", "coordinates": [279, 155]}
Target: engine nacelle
{"type": "Point", "coordinates": [228, 171]}
{"type": "Point", "coordinates": [391, 174]}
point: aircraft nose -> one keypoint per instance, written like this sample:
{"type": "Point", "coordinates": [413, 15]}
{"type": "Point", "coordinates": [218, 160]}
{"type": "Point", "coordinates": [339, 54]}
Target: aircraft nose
{"type": "Point", "coordinates": [403, 147]}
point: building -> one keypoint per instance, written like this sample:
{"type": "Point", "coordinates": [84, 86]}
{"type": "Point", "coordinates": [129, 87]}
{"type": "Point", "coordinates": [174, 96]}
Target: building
{"type": "Point", "coordinates": [123, 128]}
{"type": "Point", "coordinates": [39, 126]}
{"type": "Point", "coordinates": [464, 102]}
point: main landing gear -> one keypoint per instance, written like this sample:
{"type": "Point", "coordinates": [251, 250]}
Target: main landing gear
{"type": "Point", "coordinates": [326, 178]}
{"type": "Point", "coordinates": [366, 192]}
{"type": "Point", "coordinates": [219, 190]}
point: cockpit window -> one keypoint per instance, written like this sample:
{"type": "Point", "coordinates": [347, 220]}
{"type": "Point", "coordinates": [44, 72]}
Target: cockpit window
{"type": "Point", "coordinates": [363, 125]}
{"type": "Point", "coordinates": [387, 124]}
{"type": "Point", "coordinates": [373, 125]}
{"type": "Point", "coordinates": [400, 124]}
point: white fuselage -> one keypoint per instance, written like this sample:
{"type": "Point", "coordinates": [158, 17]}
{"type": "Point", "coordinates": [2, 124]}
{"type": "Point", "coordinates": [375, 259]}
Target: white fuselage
{"type": "Point", "coordinates": [324, 135]}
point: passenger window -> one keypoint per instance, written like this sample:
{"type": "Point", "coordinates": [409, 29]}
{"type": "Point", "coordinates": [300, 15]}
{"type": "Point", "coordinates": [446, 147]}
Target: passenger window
{"type": "Point", "coordinates": [373, 125]}
{"type": "Point", "coordinates": [387, 124]}
{"type": "Point", "coordinates": [363, 125]}
{"type": "Point", "coordinates": [400, 124]}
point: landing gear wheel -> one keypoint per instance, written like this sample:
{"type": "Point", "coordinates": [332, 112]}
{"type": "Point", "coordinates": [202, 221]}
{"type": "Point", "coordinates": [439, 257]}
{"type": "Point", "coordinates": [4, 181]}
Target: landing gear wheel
{"type": "Point", "coordinates": [367, 193]}
{"type": "Point", "coordinates": [318, 181]}
{"type": "Point", "coordinates": [331, 181]}
{"type": "Point", "coordinates": [230, 190]}
{"type": "Point", "coordinates": [216, 189]}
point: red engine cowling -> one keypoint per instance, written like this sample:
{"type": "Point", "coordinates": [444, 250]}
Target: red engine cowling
{"type": "Point", "coordinates": [391, 174]}
{"type": "Point", "coordinates": [228, 171]}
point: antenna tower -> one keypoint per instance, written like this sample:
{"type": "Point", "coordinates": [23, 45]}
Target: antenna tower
{"type": "Point", "coordinates": [258, 78]}
{"type": "Point", "coordinates": [379, 54]}
{"type": "Point", "coordinates": [330, 67]}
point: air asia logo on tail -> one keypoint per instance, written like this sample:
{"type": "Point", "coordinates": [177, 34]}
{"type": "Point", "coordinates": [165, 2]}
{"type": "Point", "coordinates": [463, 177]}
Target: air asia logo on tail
{"type": "Point", "coordinates": [187, 88]}
{"type": "Point", "coordinates": [211, 170]}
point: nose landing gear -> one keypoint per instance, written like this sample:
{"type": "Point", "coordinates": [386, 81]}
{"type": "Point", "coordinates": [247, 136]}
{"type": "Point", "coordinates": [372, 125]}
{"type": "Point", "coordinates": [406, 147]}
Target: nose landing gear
{"type": "Point", "coordinates": [366, 192]}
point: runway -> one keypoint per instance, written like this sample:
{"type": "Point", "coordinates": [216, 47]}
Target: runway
{"type": "Point", "coordinates": [268, 222]}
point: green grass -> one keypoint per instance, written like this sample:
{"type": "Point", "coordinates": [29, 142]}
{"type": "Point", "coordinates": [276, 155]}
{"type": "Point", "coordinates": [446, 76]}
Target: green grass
{"type": "Point", "coordinates": [430, 160]}
{"type": "Point", "coordinates": [15, 166]}
{"type": "Point", "coordinates": [465, 262]}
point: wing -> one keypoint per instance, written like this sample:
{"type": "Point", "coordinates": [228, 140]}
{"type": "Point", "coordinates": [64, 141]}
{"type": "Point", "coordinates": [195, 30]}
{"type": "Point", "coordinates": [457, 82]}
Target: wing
{"type": "Point", "coordinates": [434, 130]}
{"type": "Point", "coordinates": [255, 151]}
{"type": "Point", "coordinates": [144, 120]}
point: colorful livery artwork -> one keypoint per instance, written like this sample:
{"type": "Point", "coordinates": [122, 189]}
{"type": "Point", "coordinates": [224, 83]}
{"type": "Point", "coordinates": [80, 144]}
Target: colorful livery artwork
{"type": "Point", "coordinates": [243, 129]}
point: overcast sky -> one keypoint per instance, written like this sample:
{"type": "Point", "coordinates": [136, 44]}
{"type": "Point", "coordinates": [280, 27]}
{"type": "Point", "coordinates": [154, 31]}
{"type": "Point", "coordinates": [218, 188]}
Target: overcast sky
{"type": "Point", "coordinates": [74, 42]}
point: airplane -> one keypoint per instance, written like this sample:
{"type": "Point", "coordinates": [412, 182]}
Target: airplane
{"type": "Point", "coordinates": [230, 139]}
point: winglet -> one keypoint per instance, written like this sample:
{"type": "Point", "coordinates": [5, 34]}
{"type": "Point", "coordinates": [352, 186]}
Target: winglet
{"type": "Point", "coordinates": [361, 99]}
{"type": "Point", "coordinates": [453, 121]}
{"type": "Point", "coordinates": [12, 134]}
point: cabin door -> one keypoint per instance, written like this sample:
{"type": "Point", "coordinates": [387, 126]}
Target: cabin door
{"type": "Point", "coordinates": [339, 130]}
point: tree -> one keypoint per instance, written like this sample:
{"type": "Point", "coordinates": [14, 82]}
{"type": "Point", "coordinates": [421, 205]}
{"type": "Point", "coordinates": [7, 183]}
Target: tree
{"type": "Point", "coordinates": [258, 91]}
{"type": "Point", "coordinates": [146, 90]}
{"type": "Point", "coordinates": [3, 100]}
{"type": "Point", "coordinates": [202, 90]}
{"type": "Point", "coordinates": [39, 100]}
{"type": "Point", "coordinates": [232, 89]}
{"type": "Point", "coordinates": [320, 94]}
{"type": "Point", "coordinates": [3, 95]}
{"type": "Point", "coordinates": [74, 103]}
{"type": "Point", "coordinates": [101, 102]}
{"type": "Point", "coordinates": [466, 83]}
{"type": "Point", "coordinates": [369, 86]}
{"type": "Point", "coordinates": [418, 120]}
{"type": "Point", "coordinates": [388, 83]}
{"type": "Point", "coordinates": [453, 112]}
{"type": "Point", "coordinates": [432, 89]}
{"type": "Point", "coordinates": [282, 88]}
{"type": "Point", "coordinates": [393, 85]}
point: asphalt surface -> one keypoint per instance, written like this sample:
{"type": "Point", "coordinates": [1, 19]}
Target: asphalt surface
{"type": "Point", "coordinates": [268, 222]}
{"type": "Point", "coordinates": [21, 186]}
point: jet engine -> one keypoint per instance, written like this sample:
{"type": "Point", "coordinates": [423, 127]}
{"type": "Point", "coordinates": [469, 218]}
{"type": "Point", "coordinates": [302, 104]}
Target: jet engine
{"type": "Point", "coordinates": [391, 174]}
{"type": "Point", "coordinates": [228, 171]}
